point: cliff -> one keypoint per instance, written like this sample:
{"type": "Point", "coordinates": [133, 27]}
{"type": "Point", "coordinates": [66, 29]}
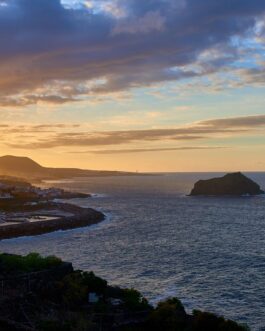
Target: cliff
{"type": "Point", "coordinates": [235, 184]}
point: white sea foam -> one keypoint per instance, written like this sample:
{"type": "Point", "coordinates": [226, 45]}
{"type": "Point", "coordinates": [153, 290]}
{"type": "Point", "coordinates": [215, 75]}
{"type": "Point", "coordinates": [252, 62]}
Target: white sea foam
{"type": "Point", "coordinates": [99, 195]}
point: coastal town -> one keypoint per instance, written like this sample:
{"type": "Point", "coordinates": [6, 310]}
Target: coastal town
{"type": "Point", "coordinates": [26, 209]}
{"type": "Point", "coordinates": [13, 189]}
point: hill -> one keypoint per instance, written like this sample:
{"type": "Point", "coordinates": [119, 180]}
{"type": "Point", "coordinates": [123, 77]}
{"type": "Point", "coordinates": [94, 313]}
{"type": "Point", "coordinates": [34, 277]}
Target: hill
{"type": "Point", "coordinates": [13, 164]}
{"type": "Point", "coordinates": [24, 167]}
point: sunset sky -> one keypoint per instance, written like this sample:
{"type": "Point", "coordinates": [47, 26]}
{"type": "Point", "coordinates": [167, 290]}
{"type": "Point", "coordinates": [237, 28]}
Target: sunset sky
{"type": "Point", "coordinates": [147, 85]}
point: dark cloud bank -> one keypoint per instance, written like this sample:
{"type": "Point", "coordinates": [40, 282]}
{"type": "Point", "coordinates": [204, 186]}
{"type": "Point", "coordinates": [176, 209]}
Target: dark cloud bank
{"type": "Point", "coordinates": [49, 52]}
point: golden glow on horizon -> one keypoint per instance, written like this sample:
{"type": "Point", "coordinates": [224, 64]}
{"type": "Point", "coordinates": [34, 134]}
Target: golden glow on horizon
{"type": "Point", "coordinates": [239, 159]}
{"type": "Point", "coordinates": [221, 144]}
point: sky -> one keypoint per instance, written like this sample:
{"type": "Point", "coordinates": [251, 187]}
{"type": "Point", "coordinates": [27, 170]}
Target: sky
{"type": "Point", "coordinates": [153, 85]}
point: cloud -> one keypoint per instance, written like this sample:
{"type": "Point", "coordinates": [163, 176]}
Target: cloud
{"type": "Point", "coordinates": [105, 138]}
{"type": "Point", "coordinates": [7, 129]}
{"type": "Point", "coordinates": [27, 100]}
{"type": "Point", "coordinates": [146, 150]}
{"type": "Point", "coordinates": [150, 22]}
{"type": "Point", "coordinates": [115, 45]}
{"type": "Point", "coordinates": [200, 130]}
{"type": "Point", "coordinates": [236, 122]}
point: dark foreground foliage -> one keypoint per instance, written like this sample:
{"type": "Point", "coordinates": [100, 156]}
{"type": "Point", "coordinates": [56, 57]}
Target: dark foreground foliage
{"type": "Point", "coordinates": [10, 263]}
{"type": "Point", "coordinates": [57, 300]}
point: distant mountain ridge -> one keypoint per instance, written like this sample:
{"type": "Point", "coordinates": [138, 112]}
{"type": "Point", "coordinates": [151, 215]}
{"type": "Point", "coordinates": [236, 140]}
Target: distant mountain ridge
{"type": "Point", "coordinates": [25, 167]}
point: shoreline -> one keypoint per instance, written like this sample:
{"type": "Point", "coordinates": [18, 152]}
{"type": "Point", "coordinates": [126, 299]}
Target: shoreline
{"type": "Point", "coordinates": [78, 217]}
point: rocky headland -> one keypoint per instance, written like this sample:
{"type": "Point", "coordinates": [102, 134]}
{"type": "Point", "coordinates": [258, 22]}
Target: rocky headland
{"type": "Point", "coordinates": [233, 184]}
{"type": "Point", "coordinates": [47, 218]}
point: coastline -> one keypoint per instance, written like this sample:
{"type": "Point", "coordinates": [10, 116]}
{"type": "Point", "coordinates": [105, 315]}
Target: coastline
{"type": "Point", "coordinates": [70, 241]}
{"type": "Point", "coordinates": [75, 217]}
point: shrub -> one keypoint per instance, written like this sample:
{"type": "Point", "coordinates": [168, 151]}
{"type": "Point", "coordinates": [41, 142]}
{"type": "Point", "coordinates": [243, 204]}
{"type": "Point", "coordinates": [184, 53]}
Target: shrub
{"type": "Point", "coordinates": [204, 321]}
{"type": "Point", "coordinates": [76, 286]}
{"type": "Point", "coordinates": [134, 300]}
{"type": "Point", "coordinates": [29, 263]}
{"type": "Point", "coordinates": [169, 315]}
{"type": "Point", "coordinates": [94, 283]}
{"type": "Point", "coordinates": [74, 292]}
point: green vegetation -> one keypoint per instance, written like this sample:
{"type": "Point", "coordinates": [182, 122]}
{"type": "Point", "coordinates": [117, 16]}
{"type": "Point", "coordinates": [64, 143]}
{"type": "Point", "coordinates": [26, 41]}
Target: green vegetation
{"type": "Point", "coordinates": [72, 291]}
{"type": "Point", "coordinates": [204, 321]}
{"type": "Point", "coordinates": [134, 300]}
{"type": "Point", "coordinates": [170, 315]}
{"type": "Point", "coordinates": [74, 288]}
{"type": "Point", "coordinates": [76, 322]}
{"type": "Point", "coordinates": [29, 263]}
{"type": "Point", "coordinates": [58, 300]}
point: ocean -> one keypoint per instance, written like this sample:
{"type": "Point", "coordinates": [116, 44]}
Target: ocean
{"type": "Point", "coordinates": [209, 252]}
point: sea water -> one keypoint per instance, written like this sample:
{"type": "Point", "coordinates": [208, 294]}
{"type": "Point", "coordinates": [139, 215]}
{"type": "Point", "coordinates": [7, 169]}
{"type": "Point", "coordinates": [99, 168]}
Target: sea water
{"type": "Point", "coordinates": [209, 252]}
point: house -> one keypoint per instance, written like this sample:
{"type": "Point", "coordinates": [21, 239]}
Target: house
{"type": "Point", "coordinates": [93, 298]}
